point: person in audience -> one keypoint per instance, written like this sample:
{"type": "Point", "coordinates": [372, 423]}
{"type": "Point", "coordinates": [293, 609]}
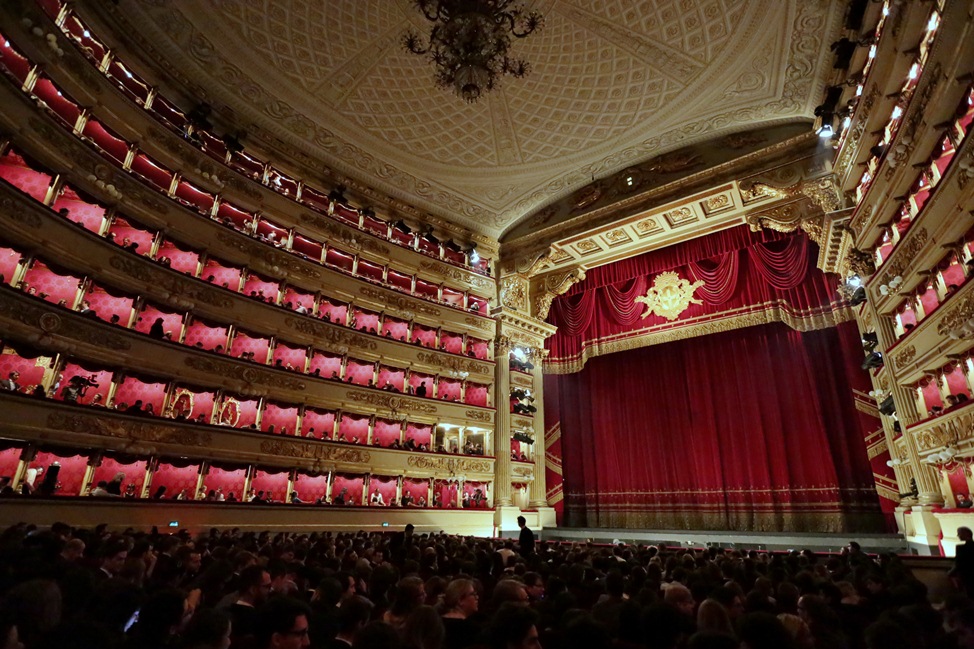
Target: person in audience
{"type": "Point", "coordinates": [421, 389]}
{"type": "Point", "coordinates": [526, 538]}
{"type": "Point", "coordinates": [10, 383]}
{"type": "Point", "coordinates": [377, 499]}
{"type": "Point", "coordinates": [101, 490]}
{"type": "Point", "coordinates": [964, 501]}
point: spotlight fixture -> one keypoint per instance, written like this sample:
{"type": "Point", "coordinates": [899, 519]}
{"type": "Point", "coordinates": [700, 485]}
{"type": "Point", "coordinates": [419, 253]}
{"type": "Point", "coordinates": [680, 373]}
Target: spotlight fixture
{"type": "Point", "coordinates": [469, 42]}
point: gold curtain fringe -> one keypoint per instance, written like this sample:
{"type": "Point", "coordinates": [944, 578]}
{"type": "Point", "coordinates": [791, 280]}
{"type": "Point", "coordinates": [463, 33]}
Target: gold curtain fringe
{"type": "Point", "coordinates": [756, 314]}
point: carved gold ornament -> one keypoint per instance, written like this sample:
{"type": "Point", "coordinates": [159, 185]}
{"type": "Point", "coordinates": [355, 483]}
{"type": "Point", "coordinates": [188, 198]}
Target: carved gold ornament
{"type": "Point", "coordinates": [669, 296]}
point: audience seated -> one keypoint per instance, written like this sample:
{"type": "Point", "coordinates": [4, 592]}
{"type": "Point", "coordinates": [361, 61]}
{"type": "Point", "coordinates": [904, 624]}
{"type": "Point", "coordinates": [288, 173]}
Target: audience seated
{"type": "Point", "coordinates": [87, 587]}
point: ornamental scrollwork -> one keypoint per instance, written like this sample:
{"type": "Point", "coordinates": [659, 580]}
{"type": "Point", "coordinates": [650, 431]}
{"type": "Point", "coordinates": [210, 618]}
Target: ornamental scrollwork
{"type": "Point", "coordinates": [278, 262]}
{"type": "Point", "coordinates": [513, 292]}
{"type": "Point", "coordinates": [176, 286]}
{"type": "Point", "coordinates": [487, 325]}
{"type": "Point", "coordinates": [823, 193]}
{"type": "Point", "coordinates": [471, 279]}
{"type": "Point", "coordinates": [398, 301]}
{"type": "Point", "coordinates": [20, 213]}
{"type": "Point", "coordinates": [449, 362]}
{"type": "Point", "coordinates": [43, 318]}
{"type": "Point", "coordinates": [330, 333]}
{"type": "Point", "coordinates": [242, 373]}
{"type": "Point", "coordinates": [904, 356]}
{"type": "Point", "coordinates": [131, 430]}
{"type": "Point", "coordinates": [350, 239]}
{"type": "Point", "coordinates": [393, 402]}
{"type": "Point", "coordinates": [956, 316]}
{"type": "Point", "coordinates": [309, 451]}
{"type": "Point", "coordinates": [904, 255]}
{"type": "Point", "coordinates": [453, 465]}
{"type": "Point", "coordinates": [479, 415]}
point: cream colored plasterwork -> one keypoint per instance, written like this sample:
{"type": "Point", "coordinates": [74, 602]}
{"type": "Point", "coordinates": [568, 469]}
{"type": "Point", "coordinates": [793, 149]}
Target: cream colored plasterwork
{"type": "Point", "coordinates": [613, 83]}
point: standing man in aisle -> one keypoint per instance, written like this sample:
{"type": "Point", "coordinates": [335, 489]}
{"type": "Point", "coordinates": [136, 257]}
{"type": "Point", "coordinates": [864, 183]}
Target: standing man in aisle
{"type": "Point", "coordinates": [526, 540]}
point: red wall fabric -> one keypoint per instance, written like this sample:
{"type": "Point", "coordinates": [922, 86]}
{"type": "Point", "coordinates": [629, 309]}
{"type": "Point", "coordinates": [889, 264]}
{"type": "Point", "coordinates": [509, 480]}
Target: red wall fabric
{"type": "Point", "coordinates": [352, 485]}
{"type": "Point", "coordinates": [131, 389]}
{"type": "Point", "coordinates": [310, 488]}
{"type": "Point", "coordinates": [90, 215]}
{"type": "Point", "coordinates": [386, 432]}
{"type": "Point", "coordinates": [134, 473]}
{"type": "Point", "coordinates": [354, 426]}
{"type": "Point", "coordinates": [9, 461]}
{"type": "Point", "coordinates": [69, 477]}
{"type": "Point", "coordinates": [103, 378]}
{"type": "Point", "coordinates": [229, 480]}
{"type": "Point", "coordinates": [321, 421]}
{"type": "Point", "coordinates": [15, 171]}
{"type": "Point", "coordinates": [386, 486]}
{"type": "Point", "coordinates": [476, 394]}
{"type": "Point", "coordinates": [280, 417]}
{"type": "Point", "coordinates": [418, 488]}
{"type": "Point", "coordinates": [747, 429]}
{"type": "Point", "coordinates": [9, 258]}
{"type": "Point", "coordinates": [291, 357]}
{"type": "Point", "coordinates": [175, 479]}
{"type": "Point", "coordinates": [273, 484]}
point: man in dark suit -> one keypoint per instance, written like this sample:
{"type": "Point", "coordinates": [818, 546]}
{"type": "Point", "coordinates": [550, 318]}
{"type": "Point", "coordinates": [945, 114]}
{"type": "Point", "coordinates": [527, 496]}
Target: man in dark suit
{"type": "Point", "coordinates": [964, 562]}
{"type": "Point", "coordinates": [526, 539]}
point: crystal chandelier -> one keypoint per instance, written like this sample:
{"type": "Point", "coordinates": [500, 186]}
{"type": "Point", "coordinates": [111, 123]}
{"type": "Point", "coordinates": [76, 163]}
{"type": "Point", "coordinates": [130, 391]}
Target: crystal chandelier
{"type": "Point", "coordinates": [469, 42]}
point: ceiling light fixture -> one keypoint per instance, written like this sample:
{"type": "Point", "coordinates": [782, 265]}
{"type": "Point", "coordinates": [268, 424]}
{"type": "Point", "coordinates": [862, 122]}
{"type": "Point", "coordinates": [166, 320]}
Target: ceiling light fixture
{"type": "Point", "coordinates": [469, 42]}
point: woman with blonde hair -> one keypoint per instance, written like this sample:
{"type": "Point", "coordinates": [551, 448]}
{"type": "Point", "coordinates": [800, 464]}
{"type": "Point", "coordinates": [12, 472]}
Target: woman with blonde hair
{"type": "Point", "coordinates": [712, 616]}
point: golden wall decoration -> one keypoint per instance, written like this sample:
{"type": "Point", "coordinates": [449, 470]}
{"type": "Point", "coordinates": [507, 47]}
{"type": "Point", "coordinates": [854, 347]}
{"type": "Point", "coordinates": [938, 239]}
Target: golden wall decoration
{"type": "Point", "coordinates": [312, 451]}
{"type": "Point", "coordinates": [394, 402]}
{"type": "Point", "coordinates": [242, 372]}
{"type": "Point", "coordinates": [131, 430]}
{"type": "Point", "coordinates": [453, 465]}
{"type": "Point", "coordinates": [669, 296]}
{"type": "Point", "coordinates": [398, 301]}
{"type": "Point", "coordinates": [479, 415]}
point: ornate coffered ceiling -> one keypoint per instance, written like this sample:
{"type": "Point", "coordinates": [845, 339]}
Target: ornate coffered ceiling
{"type": "Point", "coordinates": [613, 83]}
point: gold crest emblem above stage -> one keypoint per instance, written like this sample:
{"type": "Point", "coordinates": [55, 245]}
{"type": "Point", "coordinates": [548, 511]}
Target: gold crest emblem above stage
{"type": "Point", "coordinates": [669, 296]}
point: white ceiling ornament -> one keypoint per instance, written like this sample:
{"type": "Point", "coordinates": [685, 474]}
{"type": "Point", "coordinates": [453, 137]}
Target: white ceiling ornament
{"type": "Point", "coordinates": [613, 82]}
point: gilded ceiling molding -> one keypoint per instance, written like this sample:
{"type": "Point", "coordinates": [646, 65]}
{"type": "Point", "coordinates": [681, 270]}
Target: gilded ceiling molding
{"type": "Point", "coordinates": [206, 69]}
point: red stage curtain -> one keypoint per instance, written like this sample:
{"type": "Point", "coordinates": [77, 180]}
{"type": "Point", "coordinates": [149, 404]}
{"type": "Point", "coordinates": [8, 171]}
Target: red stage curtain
{"type": "Point", "coordinates": [746, 429]}
{"type": "Point", "coordinates": [749, 273]}
{"type": "Point", "coordinates": [719, 275]}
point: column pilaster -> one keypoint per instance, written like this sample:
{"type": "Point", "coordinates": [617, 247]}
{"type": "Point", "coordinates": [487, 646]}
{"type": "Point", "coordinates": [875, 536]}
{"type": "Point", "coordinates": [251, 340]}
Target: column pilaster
{"type": "Point", "coordinates": [502, 428]}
